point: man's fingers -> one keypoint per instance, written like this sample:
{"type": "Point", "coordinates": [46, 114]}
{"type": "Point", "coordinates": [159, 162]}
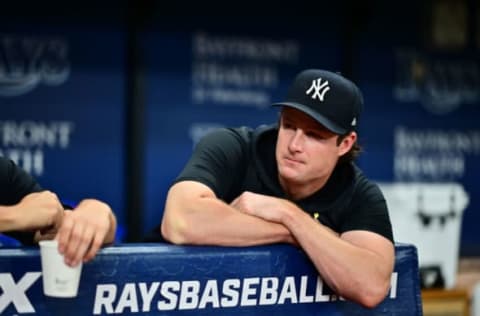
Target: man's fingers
{"type": "Point", "coordinates": [69, 236]}
{"type": "Point", "coordinates": [94, 247]}
{"type": "Point", "coordinates": [74, 242]}
{"type": "Point", "coordinates": [85, 241]}
{"type": "Point", "coordinates": [64, 233]}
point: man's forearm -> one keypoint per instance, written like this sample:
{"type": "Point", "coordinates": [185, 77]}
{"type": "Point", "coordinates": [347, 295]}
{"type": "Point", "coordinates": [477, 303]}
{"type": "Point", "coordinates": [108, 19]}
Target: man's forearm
{"type": "Point", "coordinates": [209, 221]}
{"type": "Point", "coordinates": [353, 271]}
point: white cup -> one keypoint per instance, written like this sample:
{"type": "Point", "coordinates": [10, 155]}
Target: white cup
{"type": "Point", "coordinates": [59, 279]}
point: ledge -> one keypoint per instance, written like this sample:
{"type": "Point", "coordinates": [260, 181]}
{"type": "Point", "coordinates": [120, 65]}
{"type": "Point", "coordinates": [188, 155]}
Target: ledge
{"type": "Point", "coordinates": [163, 279]}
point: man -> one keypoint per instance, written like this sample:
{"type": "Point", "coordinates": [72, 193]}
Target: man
{"type": "Point", "coordinates": [294, 183]}
{"type": "Point", "coordinates": [30, 214]}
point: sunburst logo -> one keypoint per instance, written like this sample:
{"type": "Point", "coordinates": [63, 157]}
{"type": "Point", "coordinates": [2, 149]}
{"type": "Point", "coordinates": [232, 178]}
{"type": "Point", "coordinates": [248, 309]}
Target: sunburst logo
{"type": "Point", "coordinates": [26, 62]}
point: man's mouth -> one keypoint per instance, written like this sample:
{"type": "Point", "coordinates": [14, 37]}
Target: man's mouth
{"type": "Point", "coordinates": [292, 160]}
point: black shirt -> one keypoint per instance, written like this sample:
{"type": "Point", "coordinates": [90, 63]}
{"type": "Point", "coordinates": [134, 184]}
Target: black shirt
{"type": "Point", "coordinates": [231, 161]}
{"type": "Point", "coordinates": [15, 184]}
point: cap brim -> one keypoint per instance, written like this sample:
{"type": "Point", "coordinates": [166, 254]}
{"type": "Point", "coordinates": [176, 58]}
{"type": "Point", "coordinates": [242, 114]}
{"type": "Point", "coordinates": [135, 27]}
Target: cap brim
{"type": "Point", "coordinates": [319, 118]}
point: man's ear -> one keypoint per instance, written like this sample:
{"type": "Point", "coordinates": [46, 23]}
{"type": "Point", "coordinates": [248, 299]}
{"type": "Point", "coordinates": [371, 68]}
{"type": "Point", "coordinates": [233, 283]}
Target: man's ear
{"type": "Point", "coordinates": [347, 143]}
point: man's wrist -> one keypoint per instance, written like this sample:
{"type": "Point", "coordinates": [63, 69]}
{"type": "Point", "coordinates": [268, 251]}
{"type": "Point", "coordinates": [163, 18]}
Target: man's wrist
{"type": "Point", "coordinates": [9, 219]}
{"type": "Point", "coordinates": [288, 212]}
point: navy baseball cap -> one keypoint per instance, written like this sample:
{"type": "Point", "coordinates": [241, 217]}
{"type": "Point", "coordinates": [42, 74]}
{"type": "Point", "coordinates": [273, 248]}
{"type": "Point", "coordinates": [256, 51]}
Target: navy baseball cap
{"type": "Point", "coordinates": [329, 98]}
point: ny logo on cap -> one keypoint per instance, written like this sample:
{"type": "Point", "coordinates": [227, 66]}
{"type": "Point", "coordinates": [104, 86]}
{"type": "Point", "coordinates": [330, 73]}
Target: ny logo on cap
{"type": "Point", "coordinates": [319, 89]}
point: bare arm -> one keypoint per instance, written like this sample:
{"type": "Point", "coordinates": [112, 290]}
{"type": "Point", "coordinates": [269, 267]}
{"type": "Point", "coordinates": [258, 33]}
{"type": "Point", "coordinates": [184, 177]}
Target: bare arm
{"type": "Point", "coordinates": [39, 210]}
{"type": "Point", "coordinates": [194, 215]}
{"type": "Point", "coordinates": [357, 265]}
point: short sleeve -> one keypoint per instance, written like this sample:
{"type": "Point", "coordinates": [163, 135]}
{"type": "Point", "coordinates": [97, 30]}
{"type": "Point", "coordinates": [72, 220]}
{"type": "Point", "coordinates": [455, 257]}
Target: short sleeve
{"type": "Point", "coordinates": [218, 161]}
{"type": "Point", "coordinates": [368, 212]}
{"type": "Point", "coordinates": [15, 183]}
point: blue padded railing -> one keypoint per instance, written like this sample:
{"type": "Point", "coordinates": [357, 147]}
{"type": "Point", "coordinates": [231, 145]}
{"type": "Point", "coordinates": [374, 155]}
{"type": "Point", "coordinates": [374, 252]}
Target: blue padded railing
{"type": "Point", "coordinates": [162, 279]}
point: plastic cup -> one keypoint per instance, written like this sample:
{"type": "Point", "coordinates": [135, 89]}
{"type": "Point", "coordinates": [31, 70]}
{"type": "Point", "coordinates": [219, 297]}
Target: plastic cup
{"type": "Point", "coordinates": [59, 279]}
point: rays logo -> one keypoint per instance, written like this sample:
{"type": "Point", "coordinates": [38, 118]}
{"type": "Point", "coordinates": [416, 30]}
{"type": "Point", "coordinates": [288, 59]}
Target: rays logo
{"type": "Point", "coordinates": [25, 62]}
{"type": "Point", "coordinates": [318, 88]}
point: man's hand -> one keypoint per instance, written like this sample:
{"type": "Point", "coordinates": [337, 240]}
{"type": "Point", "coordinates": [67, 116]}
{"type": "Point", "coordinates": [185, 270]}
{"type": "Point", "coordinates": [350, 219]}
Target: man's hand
{"type": "Point", "coordinates": [85, 230]}
{"type": "Point", "coordinates": [263, 206]}
{"type": "Point", "coordinates": [37, 211]}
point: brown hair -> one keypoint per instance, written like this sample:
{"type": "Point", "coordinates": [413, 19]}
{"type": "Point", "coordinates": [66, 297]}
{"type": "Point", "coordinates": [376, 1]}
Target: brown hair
{"type": "Point", "coordinates": [350, 155]}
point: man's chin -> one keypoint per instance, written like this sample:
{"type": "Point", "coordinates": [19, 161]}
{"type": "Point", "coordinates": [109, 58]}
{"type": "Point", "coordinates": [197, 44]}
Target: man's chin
{"type": "Point", "coordinates": [289, 174]}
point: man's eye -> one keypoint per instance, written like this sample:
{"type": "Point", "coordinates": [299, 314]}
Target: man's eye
{"type": "Point", "coordinates": [288, 125]}
{"type": "Point", "coordinates": [314, 135]}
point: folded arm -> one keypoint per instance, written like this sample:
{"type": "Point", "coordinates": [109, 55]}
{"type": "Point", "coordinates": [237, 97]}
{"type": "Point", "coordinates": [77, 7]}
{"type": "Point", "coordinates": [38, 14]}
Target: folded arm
{"type": "Point", "coordinates": [357, 264]}
{"type": "Point", "coordinates": [194, 215]}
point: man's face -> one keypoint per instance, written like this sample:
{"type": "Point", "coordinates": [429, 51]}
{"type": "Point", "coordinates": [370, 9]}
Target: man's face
{"type": "Point", "coordinates": [306, 151]}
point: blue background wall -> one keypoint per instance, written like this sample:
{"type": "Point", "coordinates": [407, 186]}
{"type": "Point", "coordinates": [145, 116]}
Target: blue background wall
{"type": "Point", "coordinates": [388, 48]}
{"type": "Point", "coordinates": [62, 108]}
{"type": "Point", "coordinates": [426, 96]}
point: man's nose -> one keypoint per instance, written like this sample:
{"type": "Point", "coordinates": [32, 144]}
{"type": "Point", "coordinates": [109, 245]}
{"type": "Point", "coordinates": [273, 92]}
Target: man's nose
{"type": "Point", "coordinates": [296, 142]}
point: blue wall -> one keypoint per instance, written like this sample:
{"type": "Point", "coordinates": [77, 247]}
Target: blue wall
{"type": "Point", "coordinates": [67, 80]}
{"type": "Point", "coordinates": [62, 101]}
